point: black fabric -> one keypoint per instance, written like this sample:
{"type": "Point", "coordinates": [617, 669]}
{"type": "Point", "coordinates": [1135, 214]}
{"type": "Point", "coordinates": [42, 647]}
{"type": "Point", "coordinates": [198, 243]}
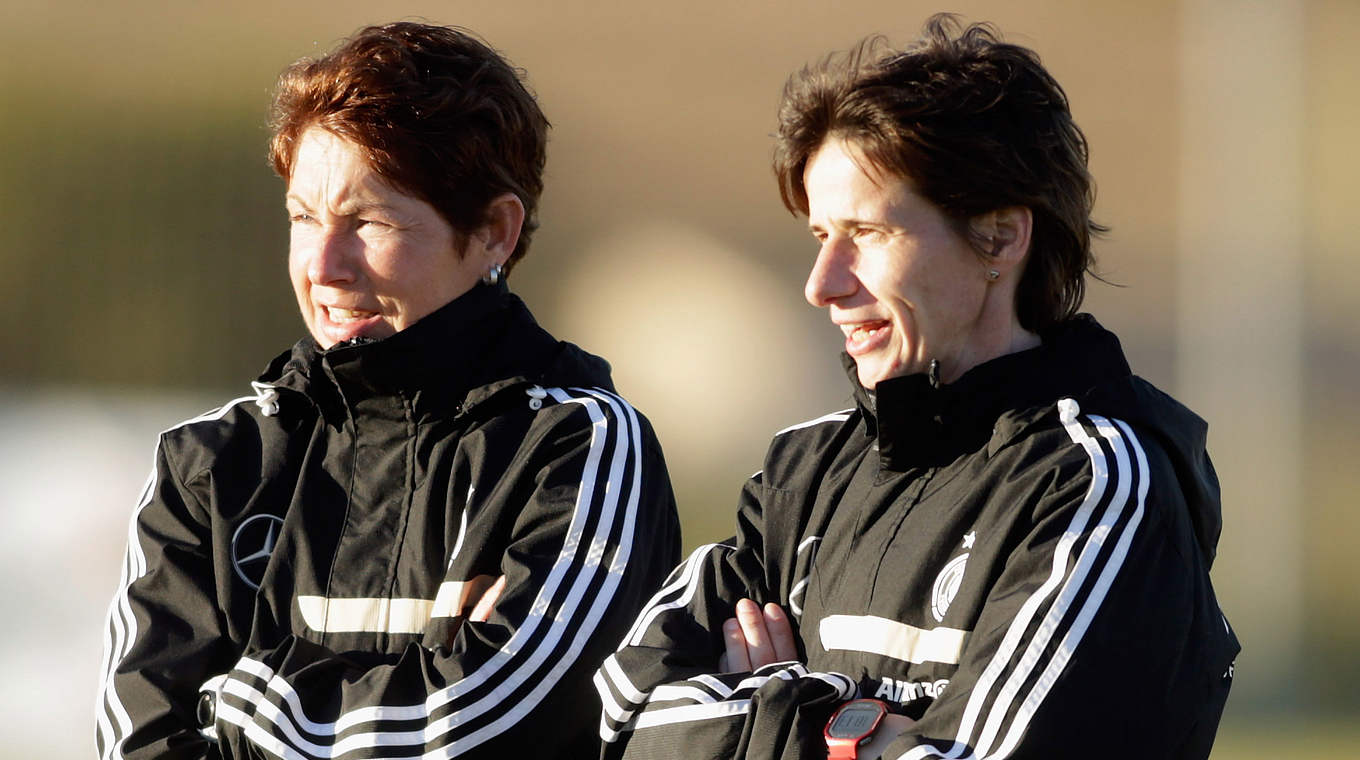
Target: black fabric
{"type": "Point", "coordinates": [1017, 560]}
{"type": "Point", "coordinates": [382, 486]}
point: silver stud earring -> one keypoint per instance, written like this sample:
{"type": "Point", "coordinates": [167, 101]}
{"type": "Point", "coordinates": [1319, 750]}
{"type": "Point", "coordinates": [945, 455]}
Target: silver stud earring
{"type": "Point", "coordinates": [493, 275]}
{"type": "Point", "coordinates": [992, 274]}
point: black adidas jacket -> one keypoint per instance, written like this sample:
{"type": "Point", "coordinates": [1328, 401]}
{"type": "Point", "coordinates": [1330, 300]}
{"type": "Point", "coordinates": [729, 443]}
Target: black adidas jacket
{"type": "Point", "coordinates": [1018, 560]}
{"type": "Point", "coordinates": [306, 557]}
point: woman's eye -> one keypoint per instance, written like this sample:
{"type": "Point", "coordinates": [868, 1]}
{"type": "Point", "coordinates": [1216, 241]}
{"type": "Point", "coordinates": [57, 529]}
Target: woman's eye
{"type": "Point", "coordinates": [299, 218]}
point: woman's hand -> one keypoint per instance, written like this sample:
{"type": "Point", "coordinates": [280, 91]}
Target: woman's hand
{"type": "Point", "coordinates": [481, 612]}
{"type": "Point", "coordinates": [757, 637]}
{"type": "Point", "coordinates": [892, 727]}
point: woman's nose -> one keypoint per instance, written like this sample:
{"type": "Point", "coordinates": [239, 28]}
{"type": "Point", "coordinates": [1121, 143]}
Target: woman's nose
{"type": "Point", "coordinates": [830, 277]}
{"type": "Point", "coordinates": [332, 257]}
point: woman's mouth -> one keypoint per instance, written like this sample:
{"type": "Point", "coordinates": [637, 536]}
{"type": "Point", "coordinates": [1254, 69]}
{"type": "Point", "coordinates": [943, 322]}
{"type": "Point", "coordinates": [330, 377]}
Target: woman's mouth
{"type": "Point", "coordinates": [341, 316]}
{"type": "Point", "coordinates": [863, 337]}
{"type": "Point", "coordinates": [335, 324]}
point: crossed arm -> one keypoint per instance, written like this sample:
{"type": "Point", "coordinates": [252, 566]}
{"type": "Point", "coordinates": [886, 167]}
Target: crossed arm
{"type": "Point", "coordinates": [755, 638]}
{"type": "Point", "coordinates": [759, 636]}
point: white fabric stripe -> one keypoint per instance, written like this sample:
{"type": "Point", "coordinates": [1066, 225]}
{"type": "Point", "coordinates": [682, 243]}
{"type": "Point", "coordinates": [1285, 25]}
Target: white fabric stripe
{"type": "Point", "coordinates": [607, 734]}
{"type": "Point", "coordinates": [395, 615]}
{"type": "Point", "coordinates": [789, 673]}
{"type": "Point", "coordinates": [616, 676]}
{"type": "Point", "coordinates": [601, 601]}
{"type": "Point", "coordinates": [1062, 605]}
{"type": "Point", "coordinates": [711, 702]}
{"type": "Point", "coordinates": [671, 692]}
{"type": "Point", "coordinates": [462, 526]}
{"type": "Point", "coordinates": [714, 691]}
{"type": "Point", "coordinates": [212, 685]}
{"type": "Point", "coordinates": [453, 597]}
{"type": "Point", "coordinates": [840, 416]}
{"type": "Point", "coordinates": [623, 718]}
{"type": "Point", "coordinates": [262, 707]}
{"type": "Point", "coordinates": [122, 623]}
{"type": "Point", "coordinates": [890, 638]}
{"type": "Point", "coordinates": [637, 698]}
{"type": "Point", "coordinates": [628, 438]}
{"type": "Point", "coordinates": [1069, 643]}
{"type": "Point", "coordinates": [709, 709]}
{"type": "Point", "coordinates": [117, 639]}
{"type": "Point", "coordinates": [688, 713]}
{"type": "Point", "coordinates": [751, 683]}
{"type": "Point", "coordinates": [611, 707]}
{"type": "Point", "coordinates": [845, 687]}
{"type": "Point", "coordinates": [1012, 640]}
{"type": "Point", "coordinates": [796, 593]}
{"type": "Point", "coordinates": [372, 614]}
{"type": "Point", "coordinates": [256, 733]}
{"type": "Point", "coordinates": [689, 580]}
{"type": "Point", "coordinates": [714, 683]}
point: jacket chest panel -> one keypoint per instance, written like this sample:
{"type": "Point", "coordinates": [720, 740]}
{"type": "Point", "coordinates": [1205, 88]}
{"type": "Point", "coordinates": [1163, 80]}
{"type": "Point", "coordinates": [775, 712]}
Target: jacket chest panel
{"type": "Point", "coordinates": [378, 480]}
{"type": "Point", "coordinates": [244, 472]}
{"type": "Point", "coordinates": [901, 576]}
{"type": "Point", "coordinates": [376, 519]}
{"type": "Point", "coordinates": [860, 538]}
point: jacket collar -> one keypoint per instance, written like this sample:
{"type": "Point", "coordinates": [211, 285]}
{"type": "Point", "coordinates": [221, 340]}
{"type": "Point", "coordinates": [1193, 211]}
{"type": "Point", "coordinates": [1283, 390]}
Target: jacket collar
{"type": "Point", "coordinates": [457, 356]}
{"type": "Point", "coordinates": [917, 423]}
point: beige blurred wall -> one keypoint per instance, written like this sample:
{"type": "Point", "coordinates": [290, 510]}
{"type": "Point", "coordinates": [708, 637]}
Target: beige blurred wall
{"type": "Point", "coordinates": [144, 236]}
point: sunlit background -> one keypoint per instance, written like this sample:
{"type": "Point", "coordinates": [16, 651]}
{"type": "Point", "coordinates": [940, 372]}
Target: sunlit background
{"type": "Point", "coordinates": [143, 275]}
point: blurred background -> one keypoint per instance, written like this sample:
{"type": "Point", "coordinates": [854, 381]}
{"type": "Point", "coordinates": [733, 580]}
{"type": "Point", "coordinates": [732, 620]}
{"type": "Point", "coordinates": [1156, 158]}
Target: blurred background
{"type": "Point", "coordinates": [144, 278]}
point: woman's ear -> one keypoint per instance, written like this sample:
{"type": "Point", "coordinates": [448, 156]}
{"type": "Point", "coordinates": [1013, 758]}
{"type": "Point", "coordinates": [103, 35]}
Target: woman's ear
{"type": "Point", "coordinates": [500, 234]}
{"type": "Point", "coordinates": [1005, 236]}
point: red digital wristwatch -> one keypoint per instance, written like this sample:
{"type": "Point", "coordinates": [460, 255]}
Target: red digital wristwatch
{"type": "Point", "coordinates": [851, 725]}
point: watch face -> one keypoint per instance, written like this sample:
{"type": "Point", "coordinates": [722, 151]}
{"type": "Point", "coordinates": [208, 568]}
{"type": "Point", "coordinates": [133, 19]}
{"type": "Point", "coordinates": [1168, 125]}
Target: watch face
{"type": "Point", "coordinates": [854, 720]}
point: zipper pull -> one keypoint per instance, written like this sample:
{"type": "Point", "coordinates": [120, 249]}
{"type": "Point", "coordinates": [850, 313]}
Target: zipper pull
{"type": "Point", "coordinates": [536, 395]}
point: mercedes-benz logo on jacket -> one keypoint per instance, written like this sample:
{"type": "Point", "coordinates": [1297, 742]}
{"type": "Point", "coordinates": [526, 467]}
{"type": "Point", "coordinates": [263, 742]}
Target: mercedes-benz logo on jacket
{"type": "Point", "coordinates": [251, 546]}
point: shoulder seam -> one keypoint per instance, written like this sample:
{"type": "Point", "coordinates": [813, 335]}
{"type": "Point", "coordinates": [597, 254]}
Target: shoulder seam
{"type": "Point", "coordinates": [840, 416]}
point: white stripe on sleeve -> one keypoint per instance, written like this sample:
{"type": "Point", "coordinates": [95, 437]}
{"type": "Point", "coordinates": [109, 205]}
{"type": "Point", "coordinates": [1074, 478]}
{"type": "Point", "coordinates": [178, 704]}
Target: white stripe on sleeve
{"type": "Point", "coordinates": [112, 721]}
{"type": "Point", "coordinates": [1116, 478]}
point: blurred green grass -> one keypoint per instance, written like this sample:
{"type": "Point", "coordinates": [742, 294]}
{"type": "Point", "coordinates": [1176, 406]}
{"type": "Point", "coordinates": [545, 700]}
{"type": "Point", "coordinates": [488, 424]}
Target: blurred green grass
{"type": "Point", "coordinates": [1331, 738]}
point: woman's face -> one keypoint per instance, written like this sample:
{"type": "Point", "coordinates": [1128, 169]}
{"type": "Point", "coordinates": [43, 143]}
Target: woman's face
{"type": "Point", "coordinates": [367, 260]}
{"type": "Point", "coordinates": [903, 286]}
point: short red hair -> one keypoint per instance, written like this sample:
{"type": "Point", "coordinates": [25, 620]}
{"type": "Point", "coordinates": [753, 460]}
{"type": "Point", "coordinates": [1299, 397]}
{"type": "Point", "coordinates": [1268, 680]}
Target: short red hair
{"type": "Point", "coordinates": [435, 111]}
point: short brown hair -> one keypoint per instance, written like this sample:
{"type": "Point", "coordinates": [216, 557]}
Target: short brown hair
{"type": "Point", "coordinates": [436, 112]}
{"type": "Point", "coordinates": [975, 125]}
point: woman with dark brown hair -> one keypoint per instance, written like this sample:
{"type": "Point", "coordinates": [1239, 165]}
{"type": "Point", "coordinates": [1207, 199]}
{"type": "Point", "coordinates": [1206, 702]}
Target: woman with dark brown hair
{"type": "Point", "coordinates": [1003, 548]}
{"type": "Point", "coordinates": [429, 523]}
